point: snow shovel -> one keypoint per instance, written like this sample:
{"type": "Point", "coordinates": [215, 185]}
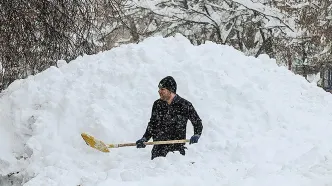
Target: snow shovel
{"type": "Point", "coordinates": [101, 146]}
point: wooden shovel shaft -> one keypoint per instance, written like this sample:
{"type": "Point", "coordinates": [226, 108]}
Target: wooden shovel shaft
{"type": "Point", "coordinates": [148, 143]}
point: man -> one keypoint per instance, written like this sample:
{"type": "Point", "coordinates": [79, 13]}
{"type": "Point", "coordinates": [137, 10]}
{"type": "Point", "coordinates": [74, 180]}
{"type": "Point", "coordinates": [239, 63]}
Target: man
{"type": "Point", "coordinates": [169, 119]}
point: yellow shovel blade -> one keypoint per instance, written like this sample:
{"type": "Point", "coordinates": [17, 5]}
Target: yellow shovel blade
{"type": "Point", "coordinates": [94, 143]}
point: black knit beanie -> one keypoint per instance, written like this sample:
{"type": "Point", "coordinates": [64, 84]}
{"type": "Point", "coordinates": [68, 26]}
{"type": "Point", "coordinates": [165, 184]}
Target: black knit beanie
{"type": "Point", "coordinates": [168, 83]}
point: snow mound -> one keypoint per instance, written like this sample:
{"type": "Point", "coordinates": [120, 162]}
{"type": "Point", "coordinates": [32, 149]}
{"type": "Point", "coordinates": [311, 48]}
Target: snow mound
{"type": "Point", "coordinates": [263, 125]}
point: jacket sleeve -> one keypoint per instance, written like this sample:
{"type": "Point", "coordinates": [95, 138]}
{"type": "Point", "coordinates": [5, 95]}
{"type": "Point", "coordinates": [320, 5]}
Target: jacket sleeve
{"type": "Point", "coordinates": [150, 129]}
{"type": "Point", "coordinates": [195, 120]}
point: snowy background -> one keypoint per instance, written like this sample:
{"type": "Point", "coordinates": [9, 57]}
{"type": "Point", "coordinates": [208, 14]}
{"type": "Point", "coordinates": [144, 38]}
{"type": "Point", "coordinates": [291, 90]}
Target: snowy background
{"type": "Point", "coordinates": [263, 125]}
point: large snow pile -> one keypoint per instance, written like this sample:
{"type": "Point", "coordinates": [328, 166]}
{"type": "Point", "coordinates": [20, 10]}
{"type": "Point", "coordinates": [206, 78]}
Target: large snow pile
{"type": "Point", "coordinates": [263, 125]}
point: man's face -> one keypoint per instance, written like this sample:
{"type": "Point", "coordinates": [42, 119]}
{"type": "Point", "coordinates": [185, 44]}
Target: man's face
{"type": "Point", "coordinates": [164, 94]}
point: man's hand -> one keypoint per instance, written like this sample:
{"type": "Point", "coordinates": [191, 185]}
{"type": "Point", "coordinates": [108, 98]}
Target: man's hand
{"type": "Point", "coordinates": [140, 143]}
{"type": "Point", "coordinates": [194, 139]}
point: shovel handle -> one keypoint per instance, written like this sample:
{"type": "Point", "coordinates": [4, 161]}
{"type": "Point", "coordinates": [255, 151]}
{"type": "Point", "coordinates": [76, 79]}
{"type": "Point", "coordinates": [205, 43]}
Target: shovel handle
{"type": "Point", "coordinates": [148, 143]}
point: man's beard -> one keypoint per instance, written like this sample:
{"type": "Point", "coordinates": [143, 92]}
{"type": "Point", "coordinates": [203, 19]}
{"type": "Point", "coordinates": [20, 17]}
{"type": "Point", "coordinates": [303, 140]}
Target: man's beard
{"type": "Point", "coordinates": [164, 97]}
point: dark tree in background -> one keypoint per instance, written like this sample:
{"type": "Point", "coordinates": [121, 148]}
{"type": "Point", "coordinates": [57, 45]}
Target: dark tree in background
{"type": "Point", "coordinates": [34, 34]}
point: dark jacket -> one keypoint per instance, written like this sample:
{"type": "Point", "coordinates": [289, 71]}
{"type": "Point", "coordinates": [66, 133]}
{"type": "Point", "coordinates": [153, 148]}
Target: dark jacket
{"type": "Point", "coordinates": [169, 122]}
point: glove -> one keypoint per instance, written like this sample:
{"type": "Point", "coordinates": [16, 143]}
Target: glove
{"type": "Point", "coordinates": [194, 139]}
{"type": "Point", "coordinates": [140, 143]}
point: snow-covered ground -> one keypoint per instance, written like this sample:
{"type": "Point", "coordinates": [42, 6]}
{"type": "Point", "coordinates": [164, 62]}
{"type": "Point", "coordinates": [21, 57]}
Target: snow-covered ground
{"type": "Point", "coordinates": [263, 125]}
